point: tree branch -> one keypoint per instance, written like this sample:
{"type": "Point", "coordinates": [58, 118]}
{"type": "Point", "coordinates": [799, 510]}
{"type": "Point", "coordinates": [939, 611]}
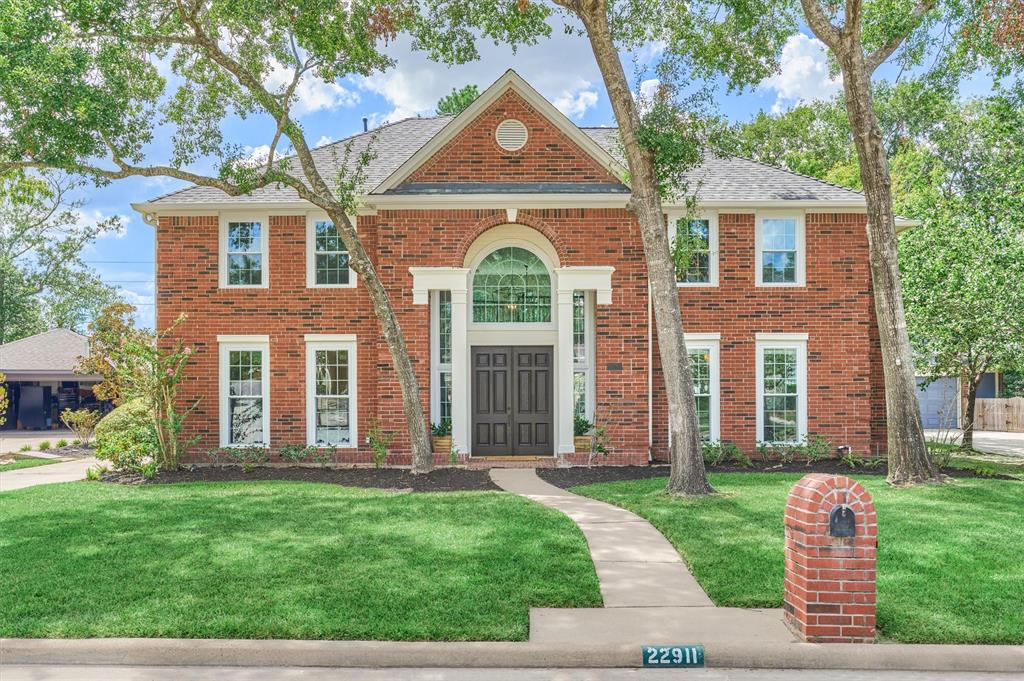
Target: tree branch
{"type": "Point", "coordinates": [886, 50]}
{"type": "Point", "coordinates": [820, 24]}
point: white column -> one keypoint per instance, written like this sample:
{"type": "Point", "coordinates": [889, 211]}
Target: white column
{"type": "Point", "coordinates": [564, 352]}
{"type": "Point", "coordinates": [460, 370]}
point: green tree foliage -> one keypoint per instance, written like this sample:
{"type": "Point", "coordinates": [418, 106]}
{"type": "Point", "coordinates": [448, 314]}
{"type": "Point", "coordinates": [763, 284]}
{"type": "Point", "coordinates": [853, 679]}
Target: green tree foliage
{"type": "Point", "coordinates": [456, 102]}
{"type": "Point", "coordinates": [81, 90]}
{"type": "Point", "coordinates": [109, 333]}
{"type": "Point", "coordinates": [43, 281]}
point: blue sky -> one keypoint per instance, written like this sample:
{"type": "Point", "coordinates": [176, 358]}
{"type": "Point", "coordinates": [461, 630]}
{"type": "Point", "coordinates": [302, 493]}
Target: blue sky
{"type": "Point", "coordinates": [562, 68]}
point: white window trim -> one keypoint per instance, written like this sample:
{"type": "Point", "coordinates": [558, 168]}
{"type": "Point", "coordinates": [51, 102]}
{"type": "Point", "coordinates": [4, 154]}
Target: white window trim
{"type": "Point", "coordinates": [801, 248]}
{"type": "Point", "coordinates": [798, 342]}
{"type": "Point", "coordinates": [710, 342]}
{"type": "Point", "coordinates": [590, 364]}
{"type": "Point", "coordinates": [311, 220]}
{"type": "Point", "coordinates": [347, 342]}
{"type": "Point", "coordinates": [712, 218]}
{"type": "Point", "coordinates": [225, 345]}
{"type": "Point", "coordinates": [222, 248]}
{"type": "Point", "coordinates": [436, 368]}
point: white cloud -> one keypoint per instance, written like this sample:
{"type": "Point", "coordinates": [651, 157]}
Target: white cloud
{"type": "Point", "coordinates": [257, 154]}
{"type": "Point", "coordinates": [313, 93]}
{"type": "Point", "coordinates": [575, 102]}
{"type": "Point", "coordinates": [324, 139]}
{"type": "Point", "coordinates": [561, 67]}
{"type": "Point", "coordinates": [804, 73]}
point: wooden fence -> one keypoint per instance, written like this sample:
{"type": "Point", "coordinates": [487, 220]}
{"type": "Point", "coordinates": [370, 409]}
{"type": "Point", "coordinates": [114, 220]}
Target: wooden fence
{"type": "Point", "coordinates": [1000, 414]}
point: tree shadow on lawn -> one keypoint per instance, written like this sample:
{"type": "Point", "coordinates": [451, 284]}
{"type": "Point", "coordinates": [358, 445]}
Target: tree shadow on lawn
{"type": "Point", "coordinates": [287, 560]}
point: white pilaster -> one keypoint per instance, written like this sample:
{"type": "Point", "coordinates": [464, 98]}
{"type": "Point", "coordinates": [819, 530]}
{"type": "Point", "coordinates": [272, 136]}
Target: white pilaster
{"type": "Point", "coordinates": [460, 370]}
{"type": "Point", "coordinates": [564, 361]}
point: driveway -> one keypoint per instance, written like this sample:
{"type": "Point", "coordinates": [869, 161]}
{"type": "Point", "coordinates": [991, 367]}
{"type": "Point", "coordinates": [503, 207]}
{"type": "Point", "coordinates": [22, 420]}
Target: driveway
{"type": "Point", "coordinates": [990, 441]}
{"type": "Point", "coordinates": [68, 471]}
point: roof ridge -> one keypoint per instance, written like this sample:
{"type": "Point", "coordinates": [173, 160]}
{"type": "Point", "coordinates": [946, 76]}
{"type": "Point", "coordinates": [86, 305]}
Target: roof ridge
{"type": "Point", "coordinates": [379, 128]}
{"type": "Point", "coordinates": [44, 333]}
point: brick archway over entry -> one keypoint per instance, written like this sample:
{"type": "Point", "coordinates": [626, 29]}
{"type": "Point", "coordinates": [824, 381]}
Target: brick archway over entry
{"type": "Point", "coordinates": [523, 219]}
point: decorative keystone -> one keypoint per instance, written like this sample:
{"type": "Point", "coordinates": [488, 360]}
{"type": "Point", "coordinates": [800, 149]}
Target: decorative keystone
{"type": "Point", "coordinates": [831, 543]}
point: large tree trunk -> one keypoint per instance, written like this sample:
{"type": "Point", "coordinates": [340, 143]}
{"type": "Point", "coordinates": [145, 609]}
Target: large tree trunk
{"type": "Point", "coordinates": [687, 472]}
{"type": "Point", "coordinates": [359, 261]}
{"type": "Point", "coordinates": [908, 456]}
{"type": "Point", "coordinates": [419, 438]}
{"type": "Point", "coordinates": [969, 409]}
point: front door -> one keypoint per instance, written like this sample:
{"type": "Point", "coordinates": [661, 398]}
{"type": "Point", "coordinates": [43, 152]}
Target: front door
{"type": "Point", "coordinates": [512, 400]}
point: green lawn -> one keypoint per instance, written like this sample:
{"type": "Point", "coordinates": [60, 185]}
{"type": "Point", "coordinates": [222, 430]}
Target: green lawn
{"type": "Point", "coordinates": [951, 557]}
{"type": "Point", "coordinates": [282, 560]}
{"type": "Point", "coordinates": [26, 463]}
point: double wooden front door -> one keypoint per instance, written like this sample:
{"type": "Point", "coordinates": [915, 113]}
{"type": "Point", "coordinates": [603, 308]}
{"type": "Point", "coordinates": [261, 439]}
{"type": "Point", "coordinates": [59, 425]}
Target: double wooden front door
{"type": "Point", "coordinates": [512, 400]}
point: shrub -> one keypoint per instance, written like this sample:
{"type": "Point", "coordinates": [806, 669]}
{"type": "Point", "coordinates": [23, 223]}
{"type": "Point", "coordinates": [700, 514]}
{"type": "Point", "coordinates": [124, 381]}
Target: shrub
{"type": "Point", "coordinates": [581, 426]}
{"type": "Point", "coordinates": [379, 441]}
{"type": "Point", "coordinates": [323, 455]}
{"type": "Point", "coordinates": [62, 443]}
{"type": "Point", "coordinates": [82, 423]}
{"type": "Point", "coordinates": [851, 460]}
{"type": "Point", "coordinates": [44, 445]}
{"type": "Point", "coordinates": [296, 453]}
{"type": "Point", "coordinates": [26, 448]}
{"type": "Point", "coordinates": [442, 429]}
{"type": "Point", "coordinates": [94, 473]}
{"type": "Point", "coordinates": [940, 454]}
{"type": "Point", "coordinates": [817, 448]}
{"type": "Point", "coordinates": [249, 457]}
{"type": "Point", "coordinates": [126, 436]}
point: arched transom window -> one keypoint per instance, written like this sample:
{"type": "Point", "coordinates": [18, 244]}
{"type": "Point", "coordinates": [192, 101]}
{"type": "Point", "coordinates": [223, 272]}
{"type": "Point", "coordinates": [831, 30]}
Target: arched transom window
{"type": "Point", "coordinates": [511, 286]}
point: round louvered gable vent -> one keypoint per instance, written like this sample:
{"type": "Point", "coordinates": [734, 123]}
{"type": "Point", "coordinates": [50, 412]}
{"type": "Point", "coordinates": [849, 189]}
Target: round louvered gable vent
{"type": "Point", "coordinates": [511, 135]}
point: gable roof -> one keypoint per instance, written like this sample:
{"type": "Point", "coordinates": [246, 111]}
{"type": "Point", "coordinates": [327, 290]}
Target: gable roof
{"type": "Point", "coordinates": [510, 80]}
{"type": "Point", "coordinates": [399, 148]}
{"type": "Point", "coordinates": [53, 352]}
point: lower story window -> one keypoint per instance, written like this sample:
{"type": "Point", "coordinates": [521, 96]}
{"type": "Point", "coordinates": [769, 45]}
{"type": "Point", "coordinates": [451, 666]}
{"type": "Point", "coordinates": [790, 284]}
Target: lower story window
{"type": "Point", "coordinates": [244, 392]}
{"type": "Point", "coordinates": [331, 393]}
{"type": "Point", "coordinates": [700, 368]}
{"type": "Point", "coordinates": [781, 391]}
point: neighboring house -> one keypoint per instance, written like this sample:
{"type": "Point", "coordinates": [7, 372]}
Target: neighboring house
{"type": "Point", "coordinates": [519, 280]}
{"type": "Point", "coordinates": [942, 401]}
{"type": "Point", "coordinates": [40, 374]}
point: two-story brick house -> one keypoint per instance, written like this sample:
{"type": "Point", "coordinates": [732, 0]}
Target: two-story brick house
{"type": "Point", "coordinates": [518, 277]}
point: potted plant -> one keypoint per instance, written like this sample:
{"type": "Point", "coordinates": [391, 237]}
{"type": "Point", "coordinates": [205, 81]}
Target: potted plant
{"type": "Point", "coordinates": [582, 440]}
{"type": "Point", "coordinates": [441, 436]}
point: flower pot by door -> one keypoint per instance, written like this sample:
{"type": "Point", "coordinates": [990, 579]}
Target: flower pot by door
{"type": "Point", "coordinates": [581, 443]}
{"type": "Point", "coordinates": [442, 444]}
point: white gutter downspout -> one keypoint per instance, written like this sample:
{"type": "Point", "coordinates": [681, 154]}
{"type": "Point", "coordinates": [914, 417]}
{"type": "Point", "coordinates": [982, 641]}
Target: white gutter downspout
{"type": "Point", "coordinates": [650, 376]}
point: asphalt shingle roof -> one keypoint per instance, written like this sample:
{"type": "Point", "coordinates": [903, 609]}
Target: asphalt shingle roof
{"type": "Point", "coordinates": [54, 351]}
{"type": "Point", "coordinates": [718, 178]}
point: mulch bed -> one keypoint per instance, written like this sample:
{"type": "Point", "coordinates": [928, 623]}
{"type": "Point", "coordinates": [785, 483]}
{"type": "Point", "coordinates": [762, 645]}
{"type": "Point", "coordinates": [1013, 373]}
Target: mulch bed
{"type": "Point", "coordinates": [572, 477]}
{"type": "Point", "coordinates": [438, 480]}
{"type": "Point", "coordinates": [72, 451]}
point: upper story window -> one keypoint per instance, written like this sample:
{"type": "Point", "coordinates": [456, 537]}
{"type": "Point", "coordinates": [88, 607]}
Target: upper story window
{"type": "Point", "coordinates": [511, 286]}
{"type": "Point", "coordinates": [327, 261]}
{"type": "Point", "coordinates": [244, 249]}
{"type": "Point", "coordinates": [780, 250]}
{"type": "Point", "coordinates": [694, 242]}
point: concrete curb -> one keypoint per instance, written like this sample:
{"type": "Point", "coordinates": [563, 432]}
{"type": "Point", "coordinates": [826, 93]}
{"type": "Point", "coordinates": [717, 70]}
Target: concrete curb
{"type": "Point", "coordinates": [278, 653]}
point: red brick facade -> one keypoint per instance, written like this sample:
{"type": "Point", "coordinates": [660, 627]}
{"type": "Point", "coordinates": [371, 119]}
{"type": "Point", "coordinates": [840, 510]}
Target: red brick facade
{"type": "Point", "coordinates": [834, 308]}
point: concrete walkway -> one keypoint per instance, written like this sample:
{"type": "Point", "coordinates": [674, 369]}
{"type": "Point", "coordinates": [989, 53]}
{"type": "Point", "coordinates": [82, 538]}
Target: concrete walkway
{"type": "Point", "coordinates": [636, 565]}
{"type": "Point", "coordinates": [12, 441]}
{"type": "Point", "coordinates": [68, 471]}
{"type": "Point", "coordinates": [650, 597]}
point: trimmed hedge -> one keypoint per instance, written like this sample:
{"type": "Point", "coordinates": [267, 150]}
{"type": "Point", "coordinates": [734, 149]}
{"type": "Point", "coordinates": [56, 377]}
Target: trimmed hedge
{"type": "Point", "coordinates": [125, 437]}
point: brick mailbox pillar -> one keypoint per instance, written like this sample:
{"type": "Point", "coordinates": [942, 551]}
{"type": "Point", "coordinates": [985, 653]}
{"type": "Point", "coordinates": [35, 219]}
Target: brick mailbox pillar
{"type": "Point", "coordinates": [831, 540]}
